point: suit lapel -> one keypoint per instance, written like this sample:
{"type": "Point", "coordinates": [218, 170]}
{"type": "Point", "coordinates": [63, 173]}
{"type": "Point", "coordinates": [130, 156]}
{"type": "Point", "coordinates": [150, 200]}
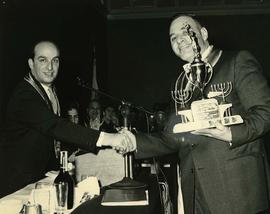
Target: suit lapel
{"type": "Point", "coordinates": [213, 57]}
{"type": "Point", "coordinates": [37, 86]}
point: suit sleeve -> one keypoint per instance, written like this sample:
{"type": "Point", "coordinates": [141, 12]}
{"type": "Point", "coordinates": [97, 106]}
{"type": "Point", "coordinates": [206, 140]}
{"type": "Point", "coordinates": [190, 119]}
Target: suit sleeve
{"type": "Point", "coordinates": [155, 145]}
{"type": "Point", "coordinates": [254, 94]}
{"type": "Point", "coordinates": [29, 110]}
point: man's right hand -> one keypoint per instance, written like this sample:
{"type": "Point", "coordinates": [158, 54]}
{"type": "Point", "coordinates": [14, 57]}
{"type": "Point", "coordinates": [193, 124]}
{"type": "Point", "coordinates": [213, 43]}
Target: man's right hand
{"type": "Point", "coordinates": [121, 142]}
{"type": "Point", "coordinates": [131, 138]}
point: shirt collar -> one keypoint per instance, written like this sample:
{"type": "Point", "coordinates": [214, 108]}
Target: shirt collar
{"type": "Point", "coordinates": [206, 53]}
{"type": "Point", "coordinates": [46, 88]}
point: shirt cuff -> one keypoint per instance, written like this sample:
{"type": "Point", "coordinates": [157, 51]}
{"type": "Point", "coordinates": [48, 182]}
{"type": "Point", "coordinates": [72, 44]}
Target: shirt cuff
{"type": "Point", "coordinates": [100, 139]}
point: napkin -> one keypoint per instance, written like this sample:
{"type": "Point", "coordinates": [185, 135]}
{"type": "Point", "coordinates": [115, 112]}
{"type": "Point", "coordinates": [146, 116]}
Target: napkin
{"type": "Point", "coordinates": [86, 189]}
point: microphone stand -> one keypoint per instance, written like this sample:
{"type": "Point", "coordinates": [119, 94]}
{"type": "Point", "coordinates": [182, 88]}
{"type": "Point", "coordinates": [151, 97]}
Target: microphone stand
{"type": "Point", "coordinates": [85, 85]}
{"type": "Point", "coordinates": [127, 189]}
{"type": "Point", "coordinates": [127, 182]}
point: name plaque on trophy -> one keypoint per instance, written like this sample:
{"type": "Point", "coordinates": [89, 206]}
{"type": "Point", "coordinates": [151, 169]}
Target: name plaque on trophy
{"type": "Point", "coordinates": [205, 110]}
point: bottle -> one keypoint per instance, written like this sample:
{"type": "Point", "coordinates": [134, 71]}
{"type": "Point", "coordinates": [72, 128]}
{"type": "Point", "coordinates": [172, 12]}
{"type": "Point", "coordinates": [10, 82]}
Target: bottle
{"type": "Point", "coordinates": [64, 176]}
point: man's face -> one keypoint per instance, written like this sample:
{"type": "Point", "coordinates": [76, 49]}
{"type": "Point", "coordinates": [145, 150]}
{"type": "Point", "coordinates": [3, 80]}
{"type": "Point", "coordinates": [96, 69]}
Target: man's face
{"type": "Point", "coordinates": [45, 64]}
{"type": "Point", "coordinates": [180, 40]}
{"type": "Point", "coordinates": [94, 110]}
{"type": "Point", "coordinates": [108, 113]}
{"type": "Point", "coordinates": [73, 115]}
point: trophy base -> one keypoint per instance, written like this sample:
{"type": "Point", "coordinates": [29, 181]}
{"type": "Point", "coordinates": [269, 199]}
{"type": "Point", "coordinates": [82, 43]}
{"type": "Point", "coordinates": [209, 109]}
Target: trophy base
{"type": "Point", "coordinates": [126, 192]}
{"type": "Point", "coordinates": [127, 183]}
{"type": "Point", "coordinates": [192, 126]}
{"type": "Point", "coordinates": [204, 114]}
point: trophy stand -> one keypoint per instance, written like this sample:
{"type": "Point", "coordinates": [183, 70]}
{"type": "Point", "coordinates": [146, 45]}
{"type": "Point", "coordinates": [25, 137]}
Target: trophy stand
{"type": "Point", "coordinates": [126, 191]}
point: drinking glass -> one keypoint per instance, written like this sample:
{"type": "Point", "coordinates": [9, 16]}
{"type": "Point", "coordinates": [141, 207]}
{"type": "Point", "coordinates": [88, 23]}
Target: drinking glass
{"type": "Point", "coordinates": [61, 193]}
{"type": "Point", "coordinates": [42, 195]}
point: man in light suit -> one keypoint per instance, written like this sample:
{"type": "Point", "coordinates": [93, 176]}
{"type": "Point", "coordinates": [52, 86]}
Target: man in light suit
{"type": "Point", "coordinates": [224, 169]}
{"type": "Point", "coordinates": [33, 125]}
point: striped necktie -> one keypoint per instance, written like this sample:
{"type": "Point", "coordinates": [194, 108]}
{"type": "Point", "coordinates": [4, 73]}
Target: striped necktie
{"type": "Point", "coordinates": [53, 100]}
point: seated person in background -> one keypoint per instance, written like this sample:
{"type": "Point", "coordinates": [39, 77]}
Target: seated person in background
{"type": "Point", "coordinates": [73, 115]}
{"type": "Point", "coordinates": [110, 120]}
{"type": "Point", "coordinates": [93, 117]}
{"type": "Point", "coordinates": [159, 118]}
{"type": "Point", "coordinates": [107, 165]}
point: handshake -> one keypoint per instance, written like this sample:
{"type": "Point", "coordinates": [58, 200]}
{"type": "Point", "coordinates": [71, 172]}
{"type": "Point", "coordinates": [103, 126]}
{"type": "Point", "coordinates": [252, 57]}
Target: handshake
{"type": "Point", "coordinates": [123, 141]}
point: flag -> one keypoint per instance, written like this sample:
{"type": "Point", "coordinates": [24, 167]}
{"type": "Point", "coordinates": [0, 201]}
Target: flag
{"type": "Point", "coordinates": [94, 94]}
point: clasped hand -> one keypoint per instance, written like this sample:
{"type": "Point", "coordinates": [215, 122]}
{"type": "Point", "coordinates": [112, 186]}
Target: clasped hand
{"type": "Point", "coordinates": [220, 132]}
{"type": "Point", "coordinates": [123, 141]}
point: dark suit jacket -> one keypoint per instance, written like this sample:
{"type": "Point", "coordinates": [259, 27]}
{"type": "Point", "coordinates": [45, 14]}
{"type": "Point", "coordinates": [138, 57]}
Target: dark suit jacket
{"type": "Point", "coordinates": [233, 180]}
{"type": "Point", "coordinates": [31, 127]}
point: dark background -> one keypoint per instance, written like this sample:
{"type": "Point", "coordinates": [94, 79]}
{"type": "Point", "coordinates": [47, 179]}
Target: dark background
{"type": "Point", "coordinates": [134, 58]}
{"type": "Point", "coordinates": [139, 52]}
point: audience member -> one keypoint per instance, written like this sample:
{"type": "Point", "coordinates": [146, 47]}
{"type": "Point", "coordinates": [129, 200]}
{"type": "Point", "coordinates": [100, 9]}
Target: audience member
{"type": "Point", "coordinates": [93, 117]}
{"type": "Point", "coordinates": [110, 120]}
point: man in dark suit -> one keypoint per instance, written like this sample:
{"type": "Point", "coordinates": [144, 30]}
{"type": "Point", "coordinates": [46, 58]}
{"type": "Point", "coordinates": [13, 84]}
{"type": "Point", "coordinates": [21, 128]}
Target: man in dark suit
{"type": "Point", "coordinates": [224, 169]}
{"type": "Point", "coordinates": [33, 126]}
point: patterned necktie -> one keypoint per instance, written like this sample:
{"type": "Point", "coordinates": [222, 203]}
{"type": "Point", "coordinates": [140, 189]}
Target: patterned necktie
{"type": "Point", "coordinates": [53, 100]}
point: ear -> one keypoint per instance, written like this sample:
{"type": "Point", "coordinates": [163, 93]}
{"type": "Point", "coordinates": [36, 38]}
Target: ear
{"type": "Point", "coordinates": [204, 33]}
{"type": "Point", "coordinates": [30, 63]}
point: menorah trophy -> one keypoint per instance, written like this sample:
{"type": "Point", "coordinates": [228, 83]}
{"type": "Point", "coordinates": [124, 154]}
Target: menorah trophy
{"type": "Point", "coordinates": [204, 112]}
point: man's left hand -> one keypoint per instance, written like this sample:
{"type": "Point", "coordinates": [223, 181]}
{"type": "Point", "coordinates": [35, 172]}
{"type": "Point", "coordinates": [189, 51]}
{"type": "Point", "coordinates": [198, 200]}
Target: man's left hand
{"type": "Point", "coordinates": [220, 132]}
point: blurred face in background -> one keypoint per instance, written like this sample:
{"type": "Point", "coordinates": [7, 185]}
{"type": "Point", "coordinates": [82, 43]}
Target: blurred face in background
{"type": "Point", "coordinates": [45, 63]}
{"type": "Point", "coordinates": [73, 115]}
{"type": "Point", "coordinates": [108, 113]}
{"type": "Point", "coordinates": [160, 117]}
{"type": "Point", "coordinates": [94, 110]}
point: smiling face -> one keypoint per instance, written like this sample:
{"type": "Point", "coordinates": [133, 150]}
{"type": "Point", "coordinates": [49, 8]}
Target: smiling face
{"type": "Point", "coordinates": [45, 63]}
{"type": "Point", "coordinates": [180, 40]}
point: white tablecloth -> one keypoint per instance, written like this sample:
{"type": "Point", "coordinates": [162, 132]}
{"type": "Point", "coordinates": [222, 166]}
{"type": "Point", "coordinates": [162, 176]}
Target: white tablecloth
{"type": "Point", "coordinates": [13, 203]}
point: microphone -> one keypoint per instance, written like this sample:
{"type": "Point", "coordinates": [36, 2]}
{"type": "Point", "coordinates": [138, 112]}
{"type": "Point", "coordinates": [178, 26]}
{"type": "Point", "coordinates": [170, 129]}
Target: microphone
{"type": "Point", "coordinates": [84, 84]}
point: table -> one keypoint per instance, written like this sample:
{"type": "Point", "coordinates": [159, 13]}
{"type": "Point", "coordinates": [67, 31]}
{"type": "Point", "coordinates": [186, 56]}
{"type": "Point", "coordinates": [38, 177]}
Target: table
{"type": "Point", "coordinates": [94, 205]}
{"type": "Point", "coordinates": [13, 203]}
{"type": "Point", "coordinates": [22, 194]}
